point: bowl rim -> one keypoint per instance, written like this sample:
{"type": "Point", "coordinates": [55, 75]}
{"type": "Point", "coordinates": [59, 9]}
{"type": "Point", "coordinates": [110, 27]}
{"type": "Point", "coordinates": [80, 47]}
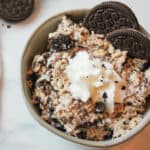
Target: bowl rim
{"type": "Point", "coordinates": [27, 99]}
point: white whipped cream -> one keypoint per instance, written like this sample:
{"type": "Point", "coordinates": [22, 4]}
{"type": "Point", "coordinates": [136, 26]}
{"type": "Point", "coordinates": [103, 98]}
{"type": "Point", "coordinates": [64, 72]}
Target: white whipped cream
{"type": "Point", "coordinates": [86, 74]}
{"type": "Point", "coordinates": [81, 67]}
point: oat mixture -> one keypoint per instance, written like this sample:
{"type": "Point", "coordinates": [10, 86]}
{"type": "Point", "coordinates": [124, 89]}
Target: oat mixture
{"type": "Point", "coordinates": [85, 87]}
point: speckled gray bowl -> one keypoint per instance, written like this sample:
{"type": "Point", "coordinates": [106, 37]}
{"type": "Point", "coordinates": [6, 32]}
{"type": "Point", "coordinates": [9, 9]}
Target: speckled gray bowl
{"type": "Point", "coordinates": [36, 44]}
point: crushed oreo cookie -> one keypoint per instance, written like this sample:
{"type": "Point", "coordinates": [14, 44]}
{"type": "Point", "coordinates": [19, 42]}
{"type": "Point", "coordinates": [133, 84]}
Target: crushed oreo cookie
{"type": "Point", "coordinates": [61, 42]}
{"type": "Point", "coordinates": [99, 107]}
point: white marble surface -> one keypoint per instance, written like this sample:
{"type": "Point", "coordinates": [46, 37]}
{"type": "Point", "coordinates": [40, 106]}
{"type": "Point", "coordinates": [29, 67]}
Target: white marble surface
{"type": "Point", "coordinates": [18, 130]}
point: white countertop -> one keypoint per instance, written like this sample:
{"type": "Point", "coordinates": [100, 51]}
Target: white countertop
{"type": "Point", "coordinates": [18, 130]}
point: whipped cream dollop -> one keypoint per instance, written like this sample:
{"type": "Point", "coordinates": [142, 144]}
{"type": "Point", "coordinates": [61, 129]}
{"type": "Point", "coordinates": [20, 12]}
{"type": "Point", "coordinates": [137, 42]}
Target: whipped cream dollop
{"type": "Point", "coordinates": [90, 77]}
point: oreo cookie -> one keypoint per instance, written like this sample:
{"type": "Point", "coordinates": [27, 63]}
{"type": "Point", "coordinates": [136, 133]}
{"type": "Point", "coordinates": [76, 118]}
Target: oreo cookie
{"type": "Point", "coordinates": [133, 41]}
{"type": "Point", "coordinates": [109, 16]}
{"type": "Point", "coordinates": [16, 10]}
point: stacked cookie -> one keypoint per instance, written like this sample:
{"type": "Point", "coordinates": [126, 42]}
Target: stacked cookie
{"type": "Point", "coordinates": [120, 26]}
{"type": "Point", "coordinates": [113, 19]}
{"type": "Point", "coordinates": [16, 10]}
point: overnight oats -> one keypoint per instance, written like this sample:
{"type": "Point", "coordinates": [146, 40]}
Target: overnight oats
{"type": "Point", "coordinates": [86, 88]}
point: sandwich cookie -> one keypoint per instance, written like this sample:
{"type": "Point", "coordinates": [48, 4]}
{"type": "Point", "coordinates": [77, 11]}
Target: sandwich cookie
{"type": "Point", "coordinates": [109, 16]}
{"type": "Point", "coordinates": [16, 10]}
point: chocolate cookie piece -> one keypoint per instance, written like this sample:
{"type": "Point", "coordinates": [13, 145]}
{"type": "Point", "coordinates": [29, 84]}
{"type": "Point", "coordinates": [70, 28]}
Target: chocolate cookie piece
{"type": "Point", "coordinates": [109, 16]}
{"type": "Point", "coordinates": [100, 107]}
{"type": "Point", "coordinates": [136, 43]}
{"type": "Point", "coordinates": [61, 43]}
{"type": "Point", "coordinates": [16, 10]}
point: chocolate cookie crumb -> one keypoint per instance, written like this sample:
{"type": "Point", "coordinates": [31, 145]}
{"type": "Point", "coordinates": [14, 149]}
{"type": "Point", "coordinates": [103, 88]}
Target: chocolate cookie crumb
{"type": "Point", "coordinates": [105, 95]}
{"type": "Point", "coordinates": [100, 107]}
{"type": "Point", "coordinates": [123, 87]}
{"type": "Point", "coordinates": [8, 26]}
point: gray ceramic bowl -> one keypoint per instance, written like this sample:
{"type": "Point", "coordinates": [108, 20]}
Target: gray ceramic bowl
{"type": "Point", "coordinates": [36, 44]}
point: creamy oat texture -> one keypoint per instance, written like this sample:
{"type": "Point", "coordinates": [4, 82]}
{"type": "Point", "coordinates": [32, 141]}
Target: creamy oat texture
{"type": "Point", "coordinates": [90, 90]}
